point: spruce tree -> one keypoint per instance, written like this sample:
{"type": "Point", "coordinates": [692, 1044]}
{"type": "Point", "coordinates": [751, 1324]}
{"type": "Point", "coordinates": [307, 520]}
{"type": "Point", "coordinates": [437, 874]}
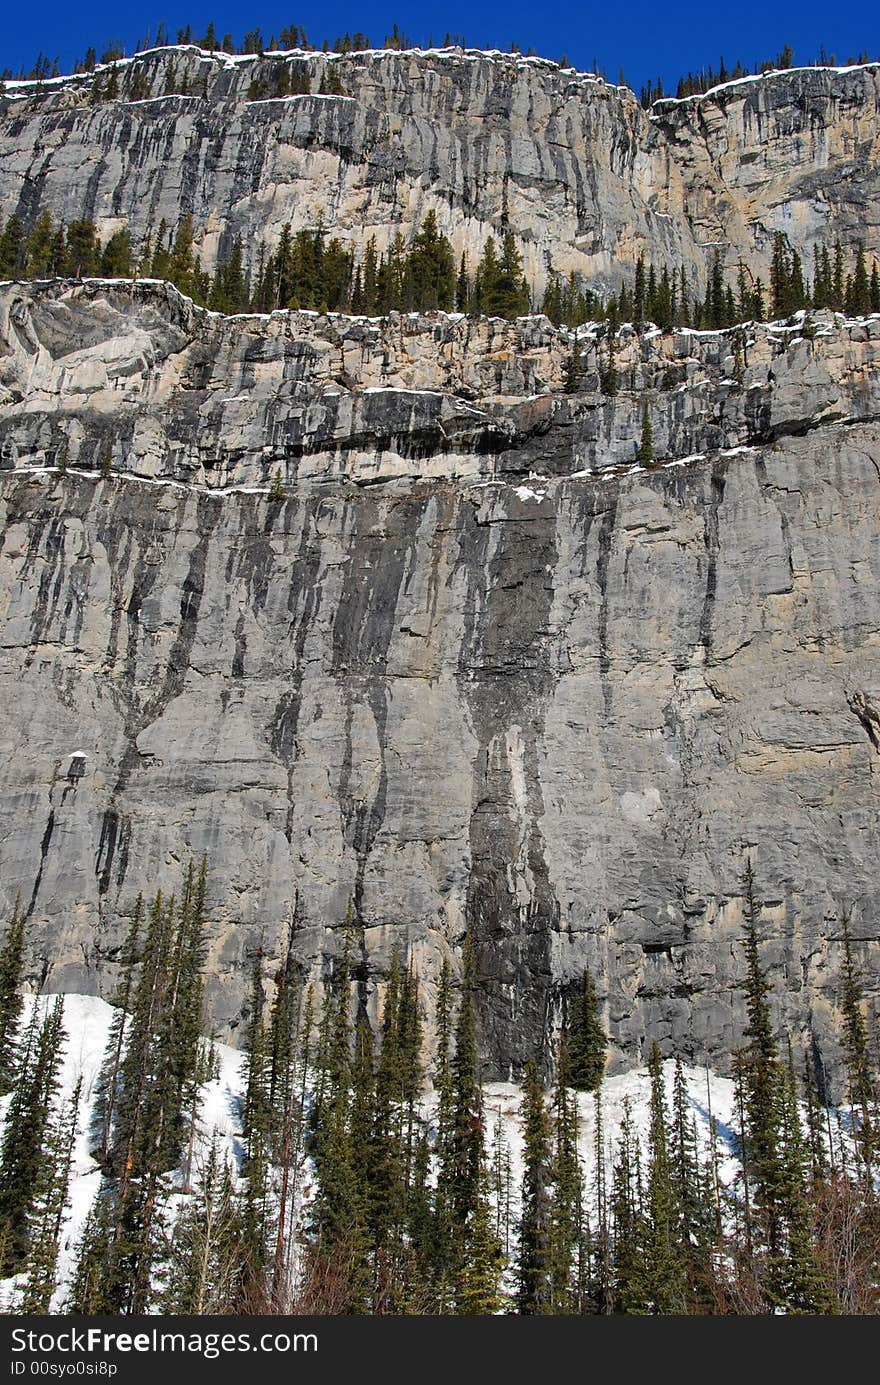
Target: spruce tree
{"type": "Point", "coordinates": [627, 1257]}
{"type": "Point", "coordinates": [42, 1261]}
{"type": "Point", "coordinates": [205, 1250]}
{"type": "Point", "coordinates": [107, 1089]}
{"type": "Point", "coordinates": [665, 1275]}
{"type": "Point", "coordinates": [534, 1290]}
{"type": "Point", "coordinates": [796, 1277]}
{"type": "Point", "coordinates": [565, 1219]}
{"type": "Point", "coordinates": [761, 1076]}
{"type": "Point", "coordinates": [479, 1290]}
{"type": "Point", "coordinates": [12, 248]}
{"type": "Point", "coordinates": [860, 1078]}
{"type": "Point", "coordinates": [645, 453]}
{"type": "Point", "coordinates": [11, 1001]}
{"type": "Point", "coordinates": [24, 1152]}
{"type": "Point", "coordinates": [585, 1038]}
{"type": "Point", "coordinates": [466, 1136]}
{"type": "Point", "coordinates": [256, 1128]}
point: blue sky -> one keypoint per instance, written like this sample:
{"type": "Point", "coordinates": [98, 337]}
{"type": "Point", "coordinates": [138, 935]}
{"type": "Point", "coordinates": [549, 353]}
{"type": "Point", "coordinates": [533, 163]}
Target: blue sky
{"type": "Point", "coordinates": [646, 39]}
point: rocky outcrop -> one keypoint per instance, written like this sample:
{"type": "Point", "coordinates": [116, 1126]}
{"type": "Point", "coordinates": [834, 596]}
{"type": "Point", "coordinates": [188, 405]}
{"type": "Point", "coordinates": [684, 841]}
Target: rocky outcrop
{"type": "Point", "coordinates": [136, 377]}
{"type": "Point", "coordinates": [488, 142]}
{"type": "Point", "coordinates": [478, 673]}
{"type": "Point", "coordinates": [797, 153]}
{"type": "Point", "coordinates": [582, 175]}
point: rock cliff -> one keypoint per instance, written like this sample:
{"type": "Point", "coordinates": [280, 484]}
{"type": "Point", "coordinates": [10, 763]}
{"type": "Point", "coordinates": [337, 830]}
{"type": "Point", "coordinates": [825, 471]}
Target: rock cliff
{"type": "Point", "coordinates": [478, 672]}
{"type": "Point", "coordinates": [387, 612]}
{"type": "Point", "coordinates": [582, 175]}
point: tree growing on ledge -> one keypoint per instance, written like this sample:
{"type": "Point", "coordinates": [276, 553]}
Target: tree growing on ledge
{"type": "Point", "coordinates": [646, 446]}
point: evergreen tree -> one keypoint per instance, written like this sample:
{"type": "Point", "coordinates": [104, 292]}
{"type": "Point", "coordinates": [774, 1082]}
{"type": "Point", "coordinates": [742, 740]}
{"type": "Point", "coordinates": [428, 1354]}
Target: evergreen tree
{"type": "Point", "coordinates": [761, 1083]}
{"type": "Point", "coordinates": [25, 1150]}
{"type": "Point", "coordinates": [645, 453]}
{"type": "Point", "coordinates": [860, 1079]}
{"type": "Point", "coordinates": [40, 247]}
{"type": "Point", "coordinates": [83, 249]}
{"type": "Point", "coordinates": [859, 298]}
{"type": "Point", "coordinates": [798, 1282]}
{"type": "Point", "coordinates": [256, 1128]}
{"type": "Point", "coordinates": [639, 293]}
{"type": "Point", "coordinates": [205, 1250]}
{"type": "Point", "coordinates": [565, 1218]}
{"type": "Point", "coordinates": [430, 270]}
{"type": "Point", "coordinates": [628, 1264]}
{"type": "Point", "coordinates": [466, 1135]}
{"type": "Point", "coordinates": [229, 288]}
{"type": "Point", "coordinates": [42, 1262]}
{"type": "Point", "coordinates": [11, 1001]}
{"type": "Point", "coordinates": [107, 1088]}
{"type": "Point", "coordinates": [117, 258]}
{"type": "Point", "coordinates": [665, 1276]}
{"type": "Point", "coordinates": [12, 248]}
{"type": "Point", "coordinates": [586, 1041]}
{"type": "Point", "coordinates": [479, 1290]}
{"type": "Point", "coordinates": [534, 1291]}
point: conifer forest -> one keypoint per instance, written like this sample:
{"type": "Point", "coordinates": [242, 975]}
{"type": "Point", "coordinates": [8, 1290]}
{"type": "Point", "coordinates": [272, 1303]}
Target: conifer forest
{"type": "Point", "coordinates": [361, 1188]}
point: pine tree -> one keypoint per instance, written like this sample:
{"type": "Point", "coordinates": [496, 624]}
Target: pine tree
{"type": "Point", "coordinates": [117, 258]}
{"type": "Point", "coordinates": [639, 293]}
{"type": "Point", "coordinates": [95, 1286]}
{"type": "Point", "coordinates": [693, 1195]}
{"type": "Point", "coordinates": [430, 269]}
{"type": "Point", "coordinates": [859, 300]}
{"type": "Point", "coordinates": [339, 1216]}
{"type": "Point", "coordinates": [479, 1291]}
{"type": "Point", "coordinates": [608, 376]}
{"type": "Point", "coordinates": [42, 1262]}
{"type": "Point", "coordinates": [586, 1041]}
{"type": "Point", "coordinates": [442, 1247]}
{"type": "Point", "coordinates": [665, 1278]}
{"type": "Point", "coordinates": [466, 1135]}
{"type": "Point", "coordinates": [860, 1079]}
{"type": "Point", "coordinates": [12, 248]}
{"type": "Point", "coordinates": [205, 1250]}
{"type": "Point", "coordinates": [761, 1082]}
{"type": "Point", "coordinates": [24, 1153]}
{"type": "Point", "coordinates": [627, 1260]}
{"type": "Point", "coordinates": [107, 1089]}
{"type": "Point", "coordinates": [645, 453]}
{"type": "Point", "coordinates": [815, 1122]}
{"type": "Point", "coordinates": [11, 1002]}
{"type": "Point", "coordinates": [797, 1279]}
{"type": "Point", "coordinates": [565, 1219]}
{"type": "Point", "coordinates": [256, 1128]}
{"type": "Point", "coordinates": [534, 1291]}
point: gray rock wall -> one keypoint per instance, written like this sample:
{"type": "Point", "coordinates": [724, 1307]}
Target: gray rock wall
{"type": "Point", "coordinates": [470, 691]}
{"type": "Point", "coordinates": [584, 177]}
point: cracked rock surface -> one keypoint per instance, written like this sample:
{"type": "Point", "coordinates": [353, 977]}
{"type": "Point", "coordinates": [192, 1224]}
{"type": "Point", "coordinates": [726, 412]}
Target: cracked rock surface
{"type": "Point", "coordinates": [478, 672]}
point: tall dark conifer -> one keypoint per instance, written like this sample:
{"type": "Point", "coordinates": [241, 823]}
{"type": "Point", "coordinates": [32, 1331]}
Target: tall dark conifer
{"type": "Point", "coordinates": [534, 1286]}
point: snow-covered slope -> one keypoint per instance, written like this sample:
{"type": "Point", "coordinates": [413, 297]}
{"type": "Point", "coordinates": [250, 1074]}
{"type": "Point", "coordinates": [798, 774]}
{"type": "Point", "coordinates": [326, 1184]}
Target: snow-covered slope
{"type": "Point", "coordinates": [87, 1023]}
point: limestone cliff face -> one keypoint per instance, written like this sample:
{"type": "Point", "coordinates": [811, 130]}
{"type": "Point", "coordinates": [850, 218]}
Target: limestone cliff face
{"type": "Point", "coordinates": [485, 142]}
{"type": "Point", "coordinates": [478, 673]}
{"type": "Point", "coordinates": [796, 153]}
{"type": "Point", "coordinates": [583, 176]}
{"type": "Point", "coordinates": [139, 377]}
